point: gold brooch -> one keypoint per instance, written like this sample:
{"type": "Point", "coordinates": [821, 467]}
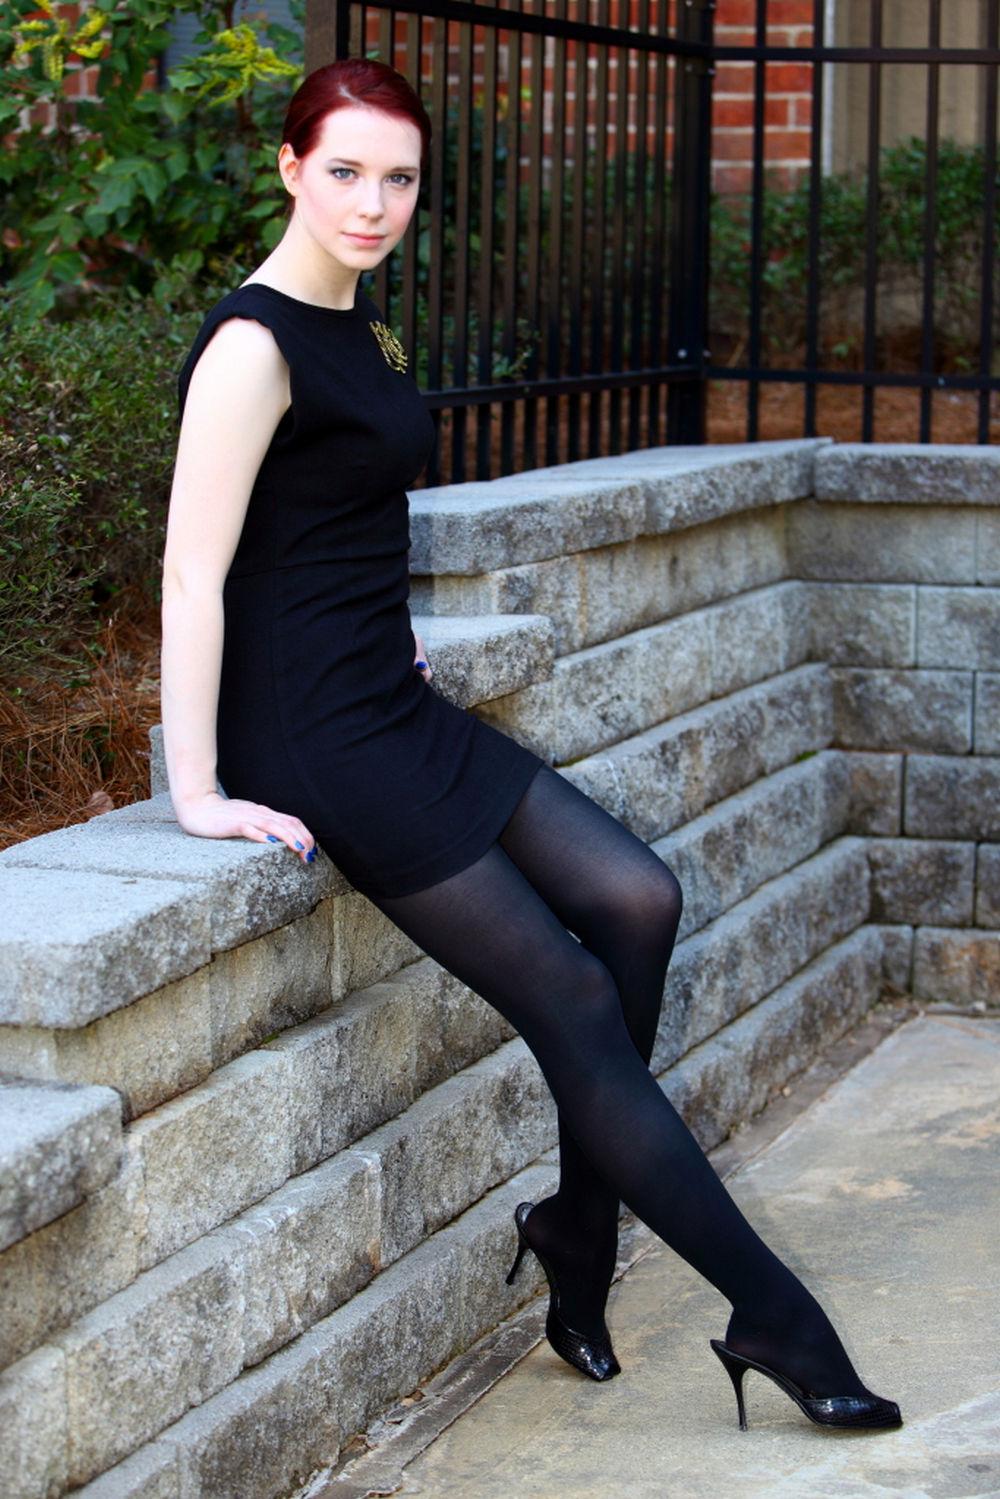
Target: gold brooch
{"type": "Point", "coordinates": [390, 345]}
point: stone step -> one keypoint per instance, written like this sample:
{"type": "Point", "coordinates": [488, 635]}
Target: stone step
{"type": "Point", "coordinates": [59, 1144]}
{"type": "Point", "coordinates": [206, 1161]}
{"type": "Point", "coordinates": [660, 779]}
{"type": "Point", "coordinates": [602, 694]}
{"type": "Point", "coordinates": [278, 1422]}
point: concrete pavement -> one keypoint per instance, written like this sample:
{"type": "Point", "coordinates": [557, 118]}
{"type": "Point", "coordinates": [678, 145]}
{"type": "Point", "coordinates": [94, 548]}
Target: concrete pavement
{"type": "Point", "coordinates": [880, 1187]}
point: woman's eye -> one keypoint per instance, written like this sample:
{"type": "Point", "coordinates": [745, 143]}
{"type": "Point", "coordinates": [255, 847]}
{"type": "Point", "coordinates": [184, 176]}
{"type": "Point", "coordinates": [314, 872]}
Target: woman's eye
{"type": "Point", "coordinates": [403, 177]}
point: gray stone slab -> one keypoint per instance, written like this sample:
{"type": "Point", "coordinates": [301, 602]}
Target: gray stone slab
{"type": "Point", "coordinates": [961, 966]}
{"type": "Point", "coordinates": [758, 945]}
{"type": "Point", "coordinates": [882, 543]}
{"type": "Point", "coordinates": [951, 796]}
{"type": "Point", "coordinates": [34, 1458]}
{"type": "Point", "coordinates": [986, 733]}
{"type": "Point", "coordinates": [958, 626]}
{"type": "Point", "coordinates": [478, 526]}
{"type": "Point", "coordinates": [922, 880]}
{"type": "Point", "coordinates": [897, 955]}
{"type": "Point", "coordinates": [988, 885]}
{"type": "Point", "coordinates": [875, 792]}
{"type": "Point", "coordinates": [78, 944]}
{"type": "Point", "coordinates": [891, 472]}
{"type": "Point", "coordinates": [147, 1355]}
{"type": "Point", "coordinates": [902, 710]}
{"type": "Point", "coordinates": [58, 1144]}
{"type": "Point", "coordinates": [658, 780]}
{"type": "Point", "coordinates": [863, 624]}
{"type": "Point", "coordinates": [988, 547]}
{"type": "Point", "coordinates": [784, 818]}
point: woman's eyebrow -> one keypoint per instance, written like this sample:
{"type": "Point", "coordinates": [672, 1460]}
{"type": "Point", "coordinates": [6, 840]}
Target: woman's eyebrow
{"type": "Point", "coordinates": [344, 161]}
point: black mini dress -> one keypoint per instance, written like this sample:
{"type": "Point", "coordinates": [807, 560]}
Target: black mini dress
{"type": "Point", "coordinates": [321, 711]}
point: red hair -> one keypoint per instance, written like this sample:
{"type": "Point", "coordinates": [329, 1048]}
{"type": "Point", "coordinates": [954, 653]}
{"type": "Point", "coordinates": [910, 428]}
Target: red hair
{"type": "Point", "coordinates": [352, 81]}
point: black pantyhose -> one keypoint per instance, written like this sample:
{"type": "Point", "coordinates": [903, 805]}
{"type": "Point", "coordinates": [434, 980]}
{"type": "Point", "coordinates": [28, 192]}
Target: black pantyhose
{"type": "Point", "coordinates": [564, 869]}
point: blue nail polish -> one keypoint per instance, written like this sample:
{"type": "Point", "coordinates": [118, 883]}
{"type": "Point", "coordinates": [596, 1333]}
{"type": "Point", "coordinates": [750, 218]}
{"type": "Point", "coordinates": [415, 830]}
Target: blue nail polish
{"type": "Point", "coordinates": [420, 665]}
{"type": "Point", "coordinates": [310, 856]}
{"type": "Point", "coordinates": [298, 844]}
{"type": "Point", "coordinates": [271, 838]}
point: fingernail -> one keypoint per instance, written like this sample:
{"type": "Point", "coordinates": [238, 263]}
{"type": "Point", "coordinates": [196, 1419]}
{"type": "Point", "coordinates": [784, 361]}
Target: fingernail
{"type": "Point", "coordinates": [420, 665]}
{"type": "Point", "coordinates": [310, 856]}
{"type": "Point", "coordinates": [298, 844]}
{"type": "Point", "coordinates": [271, 838]}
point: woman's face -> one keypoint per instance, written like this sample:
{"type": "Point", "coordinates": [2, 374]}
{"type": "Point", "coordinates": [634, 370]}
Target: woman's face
{"type": "Point", "coordinates": [356, 190]}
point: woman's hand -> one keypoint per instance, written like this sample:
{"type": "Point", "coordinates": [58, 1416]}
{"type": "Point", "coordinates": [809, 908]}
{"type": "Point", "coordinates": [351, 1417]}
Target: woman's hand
{"type": "Point", "coordinates": [215, 816]}
{"type": "Point", "coordinates": [421, 662]}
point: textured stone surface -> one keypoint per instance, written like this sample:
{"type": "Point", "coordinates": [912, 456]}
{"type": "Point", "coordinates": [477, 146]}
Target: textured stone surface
{"type": "Point", "coordinates": [960, 966]}
{"type": "Point", "coordinates": [918, 472]}
{"type": "Point", "coordinates": [902, 710]}
{"type": "Point", "coordinates": [958, 626]}
{"type": "Point", "coordinates": [34, 1460]}
{"type": "Point", "coordinates": [752, 949]}
{"type": "Point", "coordinates": [897, 955]}
{"type": "Point", "coordinates": [988, 885]}
{"type": "Point", "coordinates": [784, 818]}
{"type": "Point", "coordinates": [950, 797]}
{"type": "Point", "coordinates": [70, 1265]}
{"type": "Point", "coordinates": [916, 881]}
{"type": "Point", "coordinates": [862, 624]}
{"type": "Point", "coordinates": [58, 1144]}
{"type": "Point", "coordinates": [881, 544]}
{"type": "Point", "coordinates": [875, 792]}
{"type": "Point", "coordinates": [149, 1353]}
{"type": "Point", "coordinates": [986, 735]}
{"type": "Point", "coordinates": [729, 1076]}
{"type": "Point", "coordinates": [988, 547]}
{"type": "Point", "coordinates": [660, 779]}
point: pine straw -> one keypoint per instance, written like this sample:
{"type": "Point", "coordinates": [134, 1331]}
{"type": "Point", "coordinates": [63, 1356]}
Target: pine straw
{"type": "Point", "coordinates": [68, 754]}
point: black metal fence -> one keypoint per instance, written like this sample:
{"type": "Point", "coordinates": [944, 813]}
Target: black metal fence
{"type": "Point", "coordinates": [561, 253]}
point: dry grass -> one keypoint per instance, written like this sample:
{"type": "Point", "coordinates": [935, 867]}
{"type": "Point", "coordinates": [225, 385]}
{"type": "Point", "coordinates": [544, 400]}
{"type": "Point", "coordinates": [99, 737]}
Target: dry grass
{"type": "Point", "coordinates": [70, 753]}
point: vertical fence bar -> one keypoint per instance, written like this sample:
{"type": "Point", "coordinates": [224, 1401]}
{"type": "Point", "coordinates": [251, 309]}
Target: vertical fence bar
{"type": "Point", "coordinates": [657, 350]}
{"type": "Point", "coordinates": [815, 209]}
{"type": "Point", "coordinates": [637, 395]}
{"type": "Point", "coordinates": [553, 358]}
{"type": "Point", "coordinates": [460, 296]}
{"type": "Point", "coordinates": [689, 237]}
{"type": "Point", "coordinates": [512, 214]}
{"type": "Point", "coordinates": [871, 222]}
{"type": "Point", "coordinates": [487, 230]}
{"type": "Point", "coordinates": [598, 238]}
{"type": "Point", "coordinates": [536, 168]}
{"type": "Point", "coordinates": [757, 225]}
{"type": "Point", "coordinates": [930, 218]}
{"type": "Point", "coordinates": [989, 222]}
{"type": "Point", "coordinates": [618, 243]}
{"type": "Point", "coordinates": [577, 148]}
{"type": "Point", "coordinates": [435, 272]}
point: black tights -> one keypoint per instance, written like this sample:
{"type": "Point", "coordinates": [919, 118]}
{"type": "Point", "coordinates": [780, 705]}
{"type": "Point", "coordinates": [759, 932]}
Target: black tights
{"type": "Point", "coordinates": [563, 868]}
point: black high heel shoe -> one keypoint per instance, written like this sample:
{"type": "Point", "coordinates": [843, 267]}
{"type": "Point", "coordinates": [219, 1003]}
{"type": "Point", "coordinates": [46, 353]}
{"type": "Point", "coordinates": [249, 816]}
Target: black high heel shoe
{"type": "Point", "coordinates": [867, 1411]}
{"type": "Point", "coordinates": [593, 1356]}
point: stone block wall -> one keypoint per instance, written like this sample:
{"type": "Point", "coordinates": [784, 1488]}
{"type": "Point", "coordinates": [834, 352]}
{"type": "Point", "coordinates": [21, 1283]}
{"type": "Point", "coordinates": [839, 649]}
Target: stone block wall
{"type": "Point", "coordinates": [234, 1223]}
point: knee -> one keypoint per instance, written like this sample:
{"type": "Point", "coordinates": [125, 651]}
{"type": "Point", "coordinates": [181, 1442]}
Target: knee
{"type": "Point", "coordinates": [655, 899]}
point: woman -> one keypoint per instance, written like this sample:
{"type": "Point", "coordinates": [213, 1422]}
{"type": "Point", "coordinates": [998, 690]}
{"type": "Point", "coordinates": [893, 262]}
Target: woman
{"type": "Point", "coordinates": [290, 671]}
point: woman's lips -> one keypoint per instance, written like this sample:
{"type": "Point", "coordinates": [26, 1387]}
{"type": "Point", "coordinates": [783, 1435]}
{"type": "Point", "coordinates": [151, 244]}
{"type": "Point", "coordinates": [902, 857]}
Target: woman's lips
{"type": "Point", "coordinates": [367, 239]}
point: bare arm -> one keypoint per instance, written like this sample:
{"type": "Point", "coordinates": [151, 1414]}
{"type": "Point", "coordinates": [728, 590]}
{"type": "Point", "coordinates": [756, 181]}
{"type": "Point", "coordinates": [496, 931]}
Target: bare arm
{"type": "Point", "coordinates": [236, 396]}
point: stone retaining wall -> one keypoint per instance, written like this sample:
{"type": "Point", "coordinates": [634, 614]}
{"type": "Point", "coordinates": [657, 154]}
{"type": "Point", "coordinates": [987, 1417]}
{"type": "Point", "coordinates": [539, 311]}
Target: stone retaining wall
{"type": "Point", "coordinates": [233, 1223]}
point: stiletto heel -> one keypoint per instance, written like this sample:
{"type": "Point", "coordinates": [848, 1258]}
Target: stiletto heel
{"type": "Point", "coordinates": [868, 1411]}
{"type": "Point", "coordinates": [592, 1356]}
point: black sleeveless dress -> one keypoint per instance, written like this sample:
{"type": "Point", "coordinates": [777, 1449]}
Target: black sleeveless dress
{"type": "Point", "coordinates": [322, 712]}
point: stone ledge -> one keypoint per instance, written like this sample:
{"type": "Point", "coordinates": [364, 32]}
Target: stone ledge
{"type": "Point", "coordinates": [59, 1143]}
{"type": "Point", "coordinates": [550, 512]}
{"type": "Point", "coordinates": [911, 473]}
{"type": "Point", "coordinates": [922, 880]}
{"type": "Point", "coordinates": [961, 966]}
